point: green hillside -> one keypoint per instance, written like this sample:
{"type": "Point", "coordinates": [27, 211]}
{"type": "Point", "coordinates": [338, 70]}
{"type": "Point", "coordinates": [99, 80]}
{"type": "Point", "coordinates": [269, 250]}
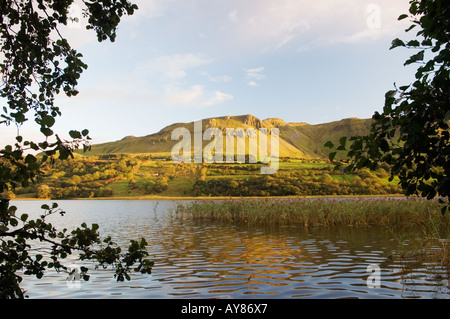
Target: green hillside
{"type": "Point", "coordinates": [297, 140]}
{"type": "Point", "coordinates": [140, 167]}
{"type": "Point", "coordinates": [311, 138]}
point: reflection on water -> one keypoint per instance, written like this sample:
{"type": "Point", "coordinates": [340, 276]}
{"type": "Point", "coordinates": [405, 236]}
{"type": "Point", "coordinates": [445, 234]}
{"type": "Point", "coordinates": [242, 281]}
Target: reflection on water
{"type": "Point", "coordinates": [200, 259]}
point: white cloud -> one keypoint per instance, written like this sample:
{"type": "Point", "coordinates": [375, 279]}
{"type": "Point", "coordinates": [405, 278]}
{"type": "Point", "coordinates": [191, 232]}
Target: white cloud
{"type": "Point", "coordinates": [173, 67]}
{"type": "Point", "coordinates": [137, 91]}
{"type": "Point", "coordinates": [217, 79]}
{"type": "Point", "coordinates": [172, 71]}
{"type": "Point", "coordinates": [195, 96]}
{"type": "Point", "coordinates": [150, 8]}
{"type": "Point", "coordinates": [268, 25]}
{"type": "Point", "coordinates": [163, 81]}
{"type": "Point", "coordinates": [253, 75]}
{"type": "Point", "coordinates": [223, 78]}
{"type": "Point", "coordinates": [232, 16]}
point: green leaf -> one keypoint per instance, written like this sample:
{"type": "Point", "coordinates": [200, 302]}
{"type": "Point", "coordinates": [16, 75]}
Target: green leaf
{"type": "Point", "coordinates": [30, 159]}
{"type": "Point", "coordinates": [414, 58]}
{"type": "Point", "coordinates": [46, 131]}
{"type": "Point", "coordinates": [384, 146]}
{"type": "Point", "coordinates": [329, 144]}
{"type": "Point", "coordinates": [390, 93]}
{"type": "Point", "coordinates": [75, 134]}
{"type": "Point", "coordinates": [48, 120]}
{"type": "Point", "coordinates": [332, 155]}
{"type": "Point", "coordinates": [412, 26]}
{"type": "Point", "coordinates": [24, 217]}
{"type": "Point", "coordinates": [143, 243]}
{"type": "Point", "coordinates": [403, 16]}
{"type": "Point", "coordinates": [427, 42]}
{"type": "Point", "coordinates": [413, 43]}
{"type": "Point", "coordinates": [13, 222]}
{"type": "Point", "coordinates": [404, 87]}
{"type": "Point", "coordinates": [413, 7]}
{"type": "Point", "coordinates": [396, 43]}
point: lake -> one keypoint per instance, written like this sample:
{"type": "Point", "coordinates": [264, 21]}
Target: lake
{"type": "Point", "coordinates": [204, 259]}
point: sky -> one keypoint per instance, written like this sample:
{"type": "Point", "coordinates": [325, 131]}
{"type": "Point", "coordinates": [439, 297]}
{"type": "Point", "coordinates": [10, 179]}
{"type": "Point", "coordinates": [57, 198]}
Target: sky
{"type": "Point", "coordinates": [185, 60]}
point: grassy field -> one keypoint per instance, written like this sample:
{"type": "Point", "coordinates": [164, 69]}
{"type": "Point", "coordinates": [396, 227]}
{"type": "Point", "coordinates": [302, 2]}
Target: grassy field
{"type": "Point", "coordinates": [151, 175]}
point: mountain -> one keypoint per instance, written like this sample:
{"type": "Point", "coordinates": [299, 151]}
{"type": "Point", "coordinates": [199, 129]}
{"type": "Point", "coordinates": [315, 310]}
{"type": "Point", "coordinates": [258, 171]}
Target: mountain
{"type": "Point", "coordinates": [297, 140]}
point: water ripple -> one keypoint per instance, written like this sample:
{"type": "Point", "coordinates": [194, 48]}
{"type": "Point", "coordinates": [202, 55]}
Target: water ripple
{"type": "Point", "coordinates": [211, 260]}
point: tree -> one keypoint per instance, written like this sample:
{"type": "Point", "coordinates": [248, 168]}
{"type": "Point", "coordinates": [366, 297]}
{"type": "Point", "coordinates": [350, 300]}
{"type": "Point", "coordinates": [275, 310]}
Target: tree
{"type": "Point", "coordinates": [411, 134]}
{"type": "Point", "coordinates": [44, 192]}
{"type": "Point", "coordinates": [326, 178]}
{"type": "Point", "coordinates": [37, 63]}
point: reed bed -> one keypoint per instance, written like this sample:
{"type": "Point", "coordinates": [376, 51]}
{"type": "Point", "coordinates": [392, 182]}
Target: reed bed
{"type": "Point", "coordinates": [387, 213]}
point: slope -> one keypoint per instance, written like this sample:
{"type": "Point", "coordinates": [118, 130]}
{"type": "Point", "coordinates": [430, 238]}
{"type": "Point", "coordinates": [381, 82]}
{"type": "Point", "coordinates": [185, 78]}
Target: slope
{"type": "Point", "coordinates": [297, 140]}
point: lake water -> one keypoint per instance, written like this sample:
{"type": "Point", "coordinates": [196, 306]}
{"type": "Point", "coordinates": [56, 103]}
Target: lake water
{"type": "Point", "coordinates": [203, 259]}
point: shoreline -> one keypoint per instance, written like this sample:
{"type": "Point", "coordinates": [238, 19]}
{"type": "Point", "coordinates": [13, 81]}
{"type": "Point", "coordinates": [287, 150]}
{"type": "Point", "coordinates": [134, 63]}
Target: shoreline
{"type": "Point", "coordinates": [130, 198]}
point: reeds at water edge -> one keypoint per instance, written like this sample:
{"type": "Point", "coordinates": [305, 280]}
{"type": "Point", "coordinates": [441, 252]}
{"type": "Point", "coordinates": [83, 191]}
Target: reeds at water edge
{"type": "Point", "coordinates": [402, 218]}
{"type": "Point", "coordinates": [318, 212]}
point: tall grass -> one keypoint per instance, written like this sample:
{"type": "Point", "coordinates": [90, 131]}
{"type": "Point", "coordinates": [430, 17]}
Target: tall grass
{"type": "Point", "coordinates": [386, 213]}
{"type": "Point", "coordinates": [403, 219]}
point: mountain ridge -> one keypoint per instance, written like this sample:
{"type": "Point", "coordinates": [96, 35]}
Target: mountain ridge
{"type": "Point", "coordinates": [297, 139]}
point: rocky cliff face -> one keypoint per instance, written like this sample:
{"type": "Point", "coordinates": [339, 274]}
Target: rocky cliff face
{"type": "Point", "coordinates": [274, 122]}
{"type": "Point", "coordinates": [297, 140]}
{"type": "Point", "coordinates": [252, 121]}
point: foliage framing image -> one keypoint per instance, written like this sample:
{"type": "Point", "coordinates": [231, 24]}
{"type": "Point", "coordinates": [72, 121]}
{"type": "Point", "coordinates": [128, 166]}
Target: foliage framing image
{"type": "Point", "coordinates": [37, 64]}
{"type": "Point", "coordinates": [412, 133]}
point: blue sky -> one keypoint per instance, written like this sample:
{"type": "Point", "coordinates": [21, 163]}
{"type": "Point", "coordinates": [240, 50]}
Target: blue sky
{"type": "Point", "coordinates": [184, 60]}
